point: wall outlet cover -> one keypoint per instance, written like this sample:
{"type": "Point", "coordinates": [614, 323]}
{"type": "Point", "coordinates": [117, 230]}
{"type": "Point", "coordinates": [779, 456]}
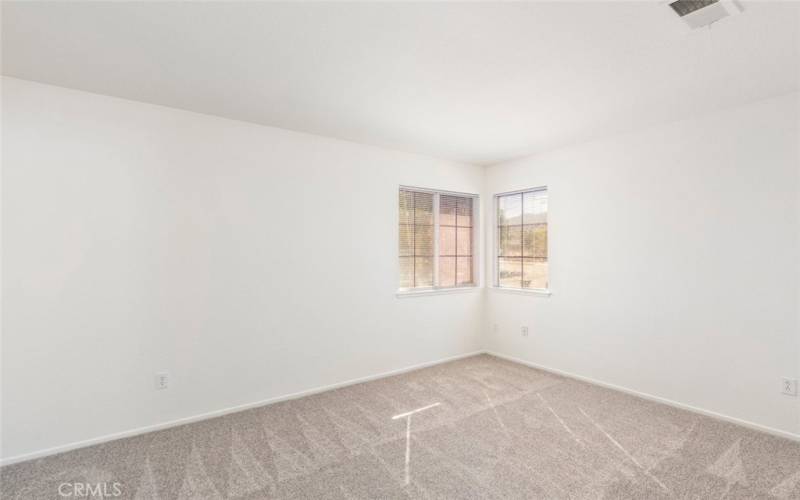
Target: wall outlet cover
{"type": "Point", "coordinates": [789, 386]}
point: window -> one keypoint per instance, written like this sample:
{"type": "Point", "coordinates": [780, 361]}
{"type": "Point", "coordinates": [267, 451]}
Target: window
{"type": "Point", "coordinates": [437, 234]}
{"type": "Point", "coordinates": [522, 240]}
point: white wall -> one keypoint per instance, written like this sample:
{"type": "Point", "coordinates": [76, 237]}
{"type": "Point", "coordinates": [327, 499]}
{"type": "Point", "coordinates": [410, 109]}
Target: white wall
{"type": "Point", "coordinates": [250, 262]}
{"type": "Point", "coordinates": [674, 262]}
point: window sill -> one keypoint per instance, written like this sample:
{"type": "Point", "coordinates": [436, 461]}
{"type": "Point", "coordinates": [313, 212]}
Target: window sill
{"type": "Point", "coordinates": [522, 291]}
{"type": "Point", "coordinates": [404, 294]}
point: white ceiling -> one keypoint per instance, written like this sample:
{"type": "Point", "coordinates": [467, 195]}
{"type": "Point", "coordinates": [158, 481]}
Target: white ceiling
{"type": "Point", "coordinates": [477, 82]}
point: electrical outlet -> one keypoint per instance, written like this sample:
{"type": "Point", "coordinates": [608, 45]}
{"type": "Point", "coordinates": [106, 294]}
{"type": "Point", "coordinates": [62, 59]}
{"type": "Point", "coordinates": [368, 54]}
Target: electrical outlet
{"type": "Point", "coordinates": [789, 386]}
{"type": "Point", "coordinates": [162, 380]}
{"type": "Point", "coordinates": [524, 331]}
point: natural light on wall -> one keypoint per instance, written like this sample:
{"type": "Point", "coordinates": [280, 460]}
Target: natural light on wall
{"type": "Point", "coordinates": [437, 234]}
{"type": "Point", "coordinates": [522, 240]}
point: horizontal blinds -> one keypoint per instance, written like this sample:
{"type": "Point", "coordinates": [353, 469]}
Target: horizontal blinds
{"type": "Point", "coordinates": [416, 239]}
{"type": "Point", "coordinates": [455, 241]}
{"type": "Point", "coordinates": [424, 216]}
{"type": "Point", "coordinates": [522, 260]}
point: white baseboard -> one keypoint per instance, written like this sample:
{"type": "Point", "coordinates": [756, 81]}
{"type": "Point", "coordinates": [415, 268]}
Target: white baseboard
{"type": "Point", "coordinates": [218, 413]}
{"type": "Point", "coordinates": [657, 399]}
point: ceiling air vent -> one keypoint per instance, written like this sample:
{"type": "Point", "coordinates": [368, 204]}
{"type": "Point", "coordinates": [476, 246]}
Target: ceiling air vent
{"type": "Point", "coordinates": [700, 13]}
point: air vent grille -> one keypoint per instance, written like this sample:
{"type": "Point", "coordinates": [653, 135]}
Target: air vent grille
{"type": "Point", "coordinates": [685, 7]}
{"type": "Point", "coordinates": [702, 13]}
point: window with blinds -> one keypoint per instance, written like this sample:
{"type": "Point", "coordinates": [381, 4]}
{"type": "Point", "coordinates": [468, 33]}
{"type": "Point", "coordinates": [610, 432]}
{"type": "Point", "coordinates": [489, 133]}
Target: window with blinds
{"type": "Point", "coordinates": [436, 239]}
{"type": "Point", "coordinates": [522, 240]}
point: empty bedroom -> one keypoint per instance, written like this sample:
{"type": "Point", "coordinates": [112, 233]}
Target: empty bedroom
{"type": "Point", "coordinates": [389, 249]}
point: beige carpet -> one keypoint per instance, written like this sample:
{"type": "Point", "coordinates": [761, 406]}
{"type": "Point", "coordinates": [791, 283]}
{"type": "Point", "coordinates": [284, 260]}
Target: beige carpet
{"type": "Point", "coordinates": [484, 428]}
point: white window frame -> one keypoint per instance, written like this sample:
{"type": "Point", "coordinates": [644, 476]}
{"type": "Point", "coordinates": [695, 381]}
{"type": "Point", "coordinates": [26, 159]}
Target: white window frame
{"type": "Point", "coordinates": [496, 243]}
{"type": "Point", "coordinates": [476, 232]}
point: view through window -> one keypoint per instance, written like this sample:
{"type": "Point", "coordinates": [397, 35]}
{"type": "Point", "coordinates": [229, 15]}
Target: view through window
{"type": "Point", "coordinates": [522, 240]}
{"type": "Point", "coordinates": [436, 239]}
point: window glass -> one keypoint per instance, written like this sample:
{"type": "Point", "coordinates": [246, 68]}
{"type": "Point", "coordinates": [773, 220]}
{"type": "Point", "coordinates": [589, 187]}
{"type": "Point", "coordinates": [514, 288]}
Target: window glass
{"type": "Point", "coordinates": [436, 239]}
{"type": "Point", "coordinates": [521, 245]}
